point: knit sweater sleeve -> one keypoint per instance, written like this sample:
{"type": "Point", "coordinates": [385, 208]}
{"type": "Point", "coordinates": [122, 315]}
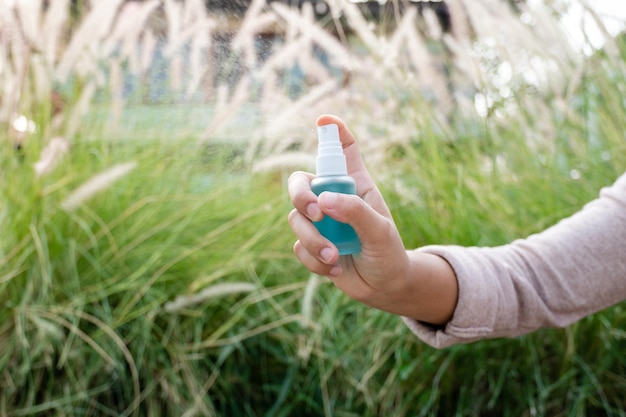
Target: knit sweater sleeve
{"type": "Point", "coordinates": [551, 279]}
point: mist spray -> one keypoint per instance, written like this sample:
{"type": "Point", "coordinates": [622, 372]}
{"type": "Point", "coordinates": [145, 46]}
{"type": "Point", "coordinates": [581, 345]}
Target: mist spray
{"type": "Point", "coordinates": [332, 175]}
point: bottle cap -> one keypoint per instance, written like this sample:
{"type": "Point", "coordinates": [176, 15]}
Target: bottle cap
{"type": "Point", "coordinates": [330, 158]}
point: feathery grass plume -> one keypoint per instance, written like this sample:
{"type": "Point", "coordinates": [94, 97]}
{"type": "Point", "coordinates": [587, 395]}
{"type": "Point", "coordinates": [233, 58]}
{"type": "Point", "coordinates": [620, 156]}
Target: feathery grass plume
{"type": "Point", "coordinates": [515, 41]}
{"type": "Point", "coordinates": [433, 28]}
{"type": "Point", "coordinates": [175, 25]}
{"type": "Point", "coordinates": [54, 22]}
{"type": "Point", "coordinates": [271, 96]}
{"type": "Point", "coordinates": [429, 76]}
{"type": "Point", "coordinates": [173, 15]}
{"type": "Point", "coordinates": [51, 155]}
{"type": "Point", "coordinates": [340, 55]}
{"type": "Point", "coordinates": [24, 62]}
{"type": "Point", "coordinates": [243, 41]}
{"type": "Point", "coordinates": [308, 299]}
{"type": "Point", "coordinates": [465, 61]}
{"type": "Point", "coordinates": [461, 27]}
{"type": "Point", "coordinates": [275, 129]}
{"type": "Point", "coordinates": [241, 95]}
{"type": "Point", "coordinates": [123, 46]}
{"type": "Point", "coordinates": [377, 45]}
{"type": "Point", "coordinates": [41, 84]}
{"type": "Point", "coordinates": [544, 23]}
{"type": "Point", "coordinates": [176, 72]}
{"type": "Point", "coordinates": [124, 39]}
{"type": "Point", "coordinates": [80, 108]}
{"type": "Point", "coordinates": [86, 40]}
{"type": "Point", "coordinates": [188, 26]}
{"type": "Point", "coordinates": [221, 99]}
{"type": "Point", "coordinates": [147, 48]}
{"type": "Point", "coordinates": [96, 184]}
{"type": "Point", "coordinates": [199, 52]}
{"type": "Point", "coordinates": [183, 27]}
{"type": "Point", "coordinates": [307, 59]}
{"type": "Point", "coordinates": [198, 68]}
{"type": "Point", "coordinates": [202, 67]}
{"type": "Point", "coordinates": [214, 291]}
{"type": "Point", "coordinates": [298, 48]}
{"type": "Point", "coordinates": [284, 161]}
{"type": "Point", "coordinates": [195, 10]}
{"type": "Point", "coordinates": [29, 13]}
{"type": "Point", "coordinates": [116, 91]}
{"type": "Point", "coordinates": [16, 56]}
{"type": "Point", "coordinates": [608, 42]}
{"type": "Point", "coordinates": [284, 57]}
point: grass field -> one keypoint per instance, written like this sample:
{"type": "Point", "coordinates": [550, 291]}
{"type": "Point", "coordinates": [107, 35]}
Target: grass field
{"type": "Point", "coordinates": [150, 273]}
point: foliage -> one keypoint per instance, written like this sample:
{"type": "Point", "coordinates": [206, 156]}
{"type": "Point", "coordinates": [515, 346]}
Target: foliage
{"type": "Point", "coordinates": [145, 260]}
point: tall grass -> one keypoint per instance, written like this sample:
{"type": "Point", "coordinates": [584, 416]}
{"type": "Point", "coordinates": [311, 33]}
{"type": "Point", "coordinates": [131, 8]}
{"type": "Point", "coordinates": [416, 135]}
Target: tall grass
{"type": "Point", "coordinates": [86, 281]}
{"type": "Point", "coordinates": [144, 270]}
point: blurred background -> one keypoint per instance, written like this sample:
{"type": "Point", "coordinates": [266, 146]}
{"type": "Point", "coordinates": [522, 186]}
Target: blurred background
{"type": "Point", "coordinates": [145, 256]}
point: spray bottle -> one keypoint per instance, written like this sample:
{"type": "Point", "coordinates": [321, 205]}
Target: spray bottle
{"type": "Point", "coordinates": [332, 175]}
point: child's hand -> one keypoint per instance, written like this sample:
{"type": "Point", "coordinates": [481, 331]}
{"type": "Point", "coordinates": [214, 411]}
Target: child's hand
{"type": "Point", "coordinates": [382, 275]}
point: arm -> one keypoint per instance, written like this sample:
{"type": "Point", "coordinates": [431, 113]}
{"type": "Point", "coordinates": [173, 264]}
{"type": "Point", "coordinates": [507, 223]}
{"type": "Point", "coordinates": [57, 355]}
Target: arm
{"type": "Point", "coordinates": [451, 294]}
{"type": "Point", "coordinates": [551, 279]}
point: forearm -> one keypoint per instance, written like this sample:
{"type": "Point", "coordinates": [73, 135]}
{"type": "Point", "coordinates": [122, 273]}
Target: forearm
{"type": "Point", "coordinates": [551, 279]}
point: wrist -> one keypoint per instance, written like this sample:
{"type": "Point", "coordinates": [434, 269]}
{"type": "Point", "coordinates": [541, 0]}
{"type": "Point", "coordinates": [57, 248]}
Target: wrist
{"type": "Point", "coordinates": [426, 291]}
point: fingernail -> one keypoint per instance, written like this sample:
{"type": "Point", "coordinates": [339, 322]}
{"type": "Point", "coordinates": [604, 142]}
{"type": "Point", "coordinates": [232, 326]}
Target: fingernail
{"type": "Point", "coordinates": [327, 255]}
{"type": "Point", "coordinates": [313, 211]}
{"type": "Point", "coordinates": [329, 199]}
{"type": "Point", "coordinates": [335, 271]}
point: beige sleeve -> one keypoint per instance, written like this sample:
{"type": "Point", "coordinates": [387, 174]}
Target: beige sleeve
{"type": "Point", "coordinates": [550, 279]}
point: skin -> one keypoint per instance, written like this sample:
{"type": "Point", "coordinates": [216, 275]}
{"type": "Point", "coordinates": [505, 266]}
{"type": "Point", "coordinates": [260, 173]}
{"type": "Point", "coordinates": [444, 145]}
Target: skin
{"type": "Point", "coordinates": [384, 275]}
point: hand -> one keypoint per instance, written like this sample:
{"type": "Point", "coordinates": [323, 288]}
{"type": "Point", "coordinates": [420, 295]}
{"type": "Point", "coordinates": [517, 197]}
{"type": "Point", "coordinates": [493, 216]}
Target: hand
{"type": "Point", "coordinates": [383, 275]}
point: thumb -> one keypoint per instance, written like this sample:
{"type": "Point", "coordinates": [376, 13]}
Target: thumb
{"type": "Point", "coordinates": [369, 225]}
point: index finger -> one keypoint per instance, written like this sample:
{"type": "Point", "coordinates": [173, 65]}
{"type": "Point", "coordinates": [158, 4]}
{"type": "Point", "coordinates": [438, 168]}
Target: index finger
{"type": "Point", "coordinates": [365, 186]}
{"type": "Point", "coordinates": [302, 197]}
{"type": "Point", "coordinates": [355, 163]}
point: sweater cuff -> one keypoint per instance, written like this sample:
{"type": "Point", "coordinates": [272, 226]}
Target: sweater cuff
{"type": "Point", "coordinates": [474, 315]}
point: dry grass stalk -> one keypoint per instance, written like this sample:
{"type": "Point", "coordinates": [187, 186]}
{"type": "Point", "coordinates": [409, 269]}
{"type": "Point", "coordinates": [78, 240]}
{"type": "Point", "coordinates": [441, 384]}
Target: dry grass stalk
{"type": "Point", "coordinates": [229, 109]}
{"type": "Point", "coordinates": [430, 78]}
{"type": "Point", "coordinates": [128, 29]}
{"type": "Point", "coordinates": [364, 30]}
{"type": "Point", "coordinates": [243, 41]}
{"type": "Point", "coordinates": [51, 156]}
{"type": "Point", "coordinates": [461, 27]}
{"type": "Point", "coordinates": [297, 49]}
{"type": "Point", "coordinates": [218, 290]}
{"type": "Point", "coordinates": [340, 55]}
{"type": "Point", "coordinates": [279, 125]}
{"type": "Point", "coordinates": [433, 27]}
{"type": "Point", "coordinates": [116, 86]}
{"type": "Point", "coordinates": [28, 14]}
{"type": "Point", "coordinates": [286, 161]}
{"type": "Point", "coordinates": [85, 42]}
{"type": "Point", "coordinates": [54, 22]}
{"type": "Point", "coordinates": [188, 25]}
{"type": "Point", "coordinates": [200, 49]}
{"type": "Point", "coordinates": [15, 56]}
{"type": "Point", "coordinates": [80, 109]}
{"type": "Point", "coordinates": [96, 184]}
{"type": "Point", "coordinates": [116, 36]}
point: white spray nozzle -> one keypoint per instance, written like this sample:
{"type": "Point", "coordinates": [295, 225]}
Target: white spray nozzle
{"type": "Point", "coordinates": [330, 158]}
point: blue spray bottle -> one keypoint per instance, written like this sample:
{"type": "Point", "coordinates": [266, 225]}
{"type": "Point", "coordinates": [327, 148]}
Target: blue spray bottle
{"type": "Point", "coordinates": [332, 175]}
